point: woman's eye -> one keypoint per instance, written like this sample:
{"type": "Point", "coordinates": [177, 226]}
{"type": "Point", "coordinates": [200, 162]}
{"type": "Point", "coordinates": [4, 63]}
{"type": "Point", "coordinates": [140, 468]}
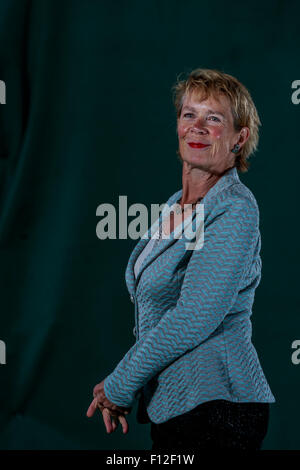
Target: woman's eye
{"type": "Point", "coordinates": [214, 118]}
{"type": "Point", "coordinates": [188, 114]}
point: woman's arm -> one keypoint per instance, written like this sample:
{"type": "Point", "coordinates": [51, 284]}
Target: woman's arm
{"type": "Point", "coordinates": [210, 287]}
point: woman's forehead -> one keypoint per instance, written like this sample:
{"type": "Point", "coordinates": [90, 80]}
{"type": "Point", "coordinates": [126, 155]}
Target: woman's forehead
{"type": "Point", "coordinates": [198, 96]}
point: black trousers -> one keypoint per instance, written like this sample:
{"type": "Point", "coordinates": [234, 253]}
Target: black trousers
{"type": "Point", "coordinates": [216, 424]}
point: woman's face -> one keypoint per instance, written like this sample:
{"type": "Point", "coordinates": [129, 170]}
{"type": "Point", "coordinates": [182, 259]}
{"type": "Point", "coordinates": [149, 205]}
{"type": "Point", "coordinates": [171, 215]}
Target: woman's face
{"type": "Point", "coordinates": [206, 134]}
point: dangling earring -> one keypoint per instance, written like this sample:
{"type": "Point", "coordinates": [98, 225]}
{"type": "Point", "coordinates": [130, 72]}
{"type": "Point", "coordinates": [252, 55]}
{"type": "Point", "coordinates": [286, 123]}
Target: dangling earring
{"type": "Point", "coordinates": [236, 148]}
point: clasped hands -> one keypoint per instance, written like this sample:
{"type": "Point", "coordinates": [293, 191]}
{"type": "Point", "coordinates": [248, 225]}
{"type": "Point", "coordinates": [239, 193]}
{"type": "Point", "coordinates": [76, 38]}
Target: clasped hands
{"type": "Point", "coordinates": [111, 413]}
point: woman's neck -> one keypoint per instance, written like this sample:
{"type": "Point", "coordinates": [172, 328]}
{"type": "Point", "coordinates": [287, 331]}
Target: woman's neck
{"type": "Point", "coordinates": [196, 183]}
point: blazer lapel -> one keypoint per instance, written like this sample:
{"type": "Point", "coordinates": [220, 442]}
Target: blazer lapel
{"type": "Point", "coordinates": [229, 178]}
{"type": "Point", "coordinates": [141, 244]}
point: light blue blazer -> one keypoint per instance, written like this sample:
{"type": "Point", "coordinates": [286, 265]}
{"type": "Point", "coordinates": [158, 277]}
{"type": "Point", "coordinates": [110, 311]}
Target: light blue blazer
{"type": "Point", "coordinates": [192, 312]}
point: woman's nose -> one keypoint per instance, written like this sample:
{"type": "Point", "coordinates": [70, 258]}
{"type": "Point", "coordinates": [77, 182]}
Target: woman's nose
{"type": "Point", "coordinates": [199, 126]}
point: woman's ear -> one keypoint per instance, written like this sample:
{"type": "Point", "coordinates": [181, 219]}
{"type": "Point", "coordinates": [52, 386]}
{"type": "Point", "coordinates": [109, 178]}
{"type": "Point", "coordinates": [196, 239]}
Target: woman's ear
{"type": "Point", "coordinates": [244, 136]}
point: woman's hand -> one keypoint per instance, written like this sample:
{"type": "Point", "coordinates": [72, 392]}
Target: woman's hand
{"type": "Point", "coordinates": [112, 420]}
{"type": "Point", "coordinates": [111, 413]}
{"type": "Point", "coordinates": [99, 395]}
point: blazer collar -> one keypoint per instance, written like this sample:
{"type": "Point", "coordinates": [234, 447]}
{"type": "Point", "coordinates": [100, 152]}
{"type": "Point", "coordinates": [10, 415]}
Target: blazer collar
{"type": "Point", "coordinates": [229, 178]}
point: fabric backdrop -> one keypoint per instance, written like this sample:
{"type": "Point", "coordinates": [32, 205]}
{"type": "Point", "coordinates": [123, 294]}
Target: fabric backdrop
{"type": "Point", "coordinates": [88, 118]}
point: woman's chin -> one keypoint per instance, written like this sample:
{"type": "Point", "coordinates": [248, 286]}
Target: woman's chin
{"type": "Point", "coordinates": [197, 160]}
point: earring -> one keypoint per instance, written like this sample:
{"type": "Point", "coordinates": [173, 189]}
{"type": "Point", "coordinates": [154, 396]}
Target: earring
{"type": "Point", "coordinates": [236, 148]}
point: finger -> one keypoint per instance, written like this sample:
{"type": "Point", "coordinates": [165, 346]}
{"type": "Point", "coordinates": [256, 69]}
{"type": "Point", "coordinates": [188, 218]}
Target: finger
{"type": "Point", "coordinates": [115, 422]}
{"type": "Point", "coordinates": [100, 406]}
{"type": "Point", "coordinates": [124, 424]}
{"type": "Point", "coordinates": [114, 417]}
{"type": "Point", "coordinates": [107, 420]}
{"type": "Point", "coordinates": [100, 397]}
{"type": "Point", "coordinates": [107, 404]}
{"type": "Point", "coordinates": [91, 409]}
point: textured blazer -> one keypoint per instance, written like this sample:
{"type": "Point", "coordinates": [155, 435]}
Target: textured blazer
{"type": "Point", "coordinates": [192, 312]}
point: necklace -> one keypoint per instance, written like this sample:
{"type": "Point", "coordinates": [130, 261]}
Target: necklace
{"type": "Point", "coordinates": [178, 210]}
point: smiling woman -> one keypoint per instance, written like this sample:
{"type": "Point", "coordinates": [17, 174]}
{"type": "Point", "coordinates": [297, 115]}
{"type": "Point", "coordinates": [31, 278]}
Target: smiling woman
{"type": "Point", "coordinates": [193, 366]}
{"type": "Point", "coordinates": [223, 109]}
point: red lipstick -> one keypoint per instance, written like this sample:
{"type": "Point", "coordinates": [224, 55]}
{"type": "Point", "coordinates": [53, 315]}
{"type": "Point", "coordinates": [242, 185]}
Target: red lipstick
{"type": "Point", "coordinates": [197, 145]}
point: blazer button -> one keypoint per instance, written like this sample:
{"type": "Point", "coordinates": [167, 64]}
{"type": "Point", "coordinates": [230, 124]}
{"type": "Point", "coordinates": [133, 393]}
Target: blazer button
{"type": "Point", "coordinates": [134, 331]}
{"type": "Point", "coordinates": [132, 299]}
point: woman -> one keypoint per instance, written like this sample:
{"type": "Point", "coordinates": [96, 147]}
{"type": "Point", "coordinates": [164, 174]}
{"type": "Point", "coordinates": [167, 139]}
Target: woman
{"type": "Point", "coordinates": [196, 372]}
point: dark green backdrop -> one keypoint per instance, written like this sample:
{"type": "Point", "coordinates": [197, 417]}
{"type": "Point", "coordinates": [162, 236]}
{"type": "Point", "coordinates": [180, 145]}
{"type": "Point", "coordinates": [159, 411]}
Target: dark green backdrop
{"type": "Point", "coordinates": [89, 117]}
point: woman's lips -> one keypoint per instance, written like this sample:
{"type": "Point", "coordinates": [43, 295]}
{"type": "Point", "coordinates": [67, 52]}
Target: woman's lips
{"type": "Point", "coordinates": [197, 145]}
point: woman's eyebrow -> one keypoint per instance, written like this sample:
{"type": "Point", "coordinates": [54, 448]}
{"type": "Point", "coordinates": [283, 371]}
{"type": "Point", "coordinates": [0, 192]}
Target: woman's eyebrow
{"type": "Point", "coordinates": [189, 107]}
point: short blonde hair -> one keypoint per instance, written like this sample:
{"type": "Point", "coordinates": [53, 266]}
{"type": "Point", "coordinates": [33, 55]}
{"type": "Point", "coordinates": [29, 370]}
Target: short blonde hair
{"type": "Point", "coordinates": [207, 82]}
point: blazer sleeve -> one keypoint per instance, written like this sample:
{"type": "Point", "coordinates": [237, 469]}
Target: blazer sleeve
{"type": "Point", "coordinates": [209, 290]}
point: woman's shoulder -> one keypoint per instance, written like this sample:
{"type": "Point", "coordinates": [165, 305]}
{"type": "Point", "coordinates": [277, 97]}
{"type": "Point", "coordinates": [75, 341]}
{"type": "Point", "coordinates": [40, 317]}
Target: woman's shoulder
{"type": "Point", "coordinates": [237, 201]}
{"type": "Point", "coordinates": [230, 197]}
{"type": "Point", "coordinates": [238, 193]}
